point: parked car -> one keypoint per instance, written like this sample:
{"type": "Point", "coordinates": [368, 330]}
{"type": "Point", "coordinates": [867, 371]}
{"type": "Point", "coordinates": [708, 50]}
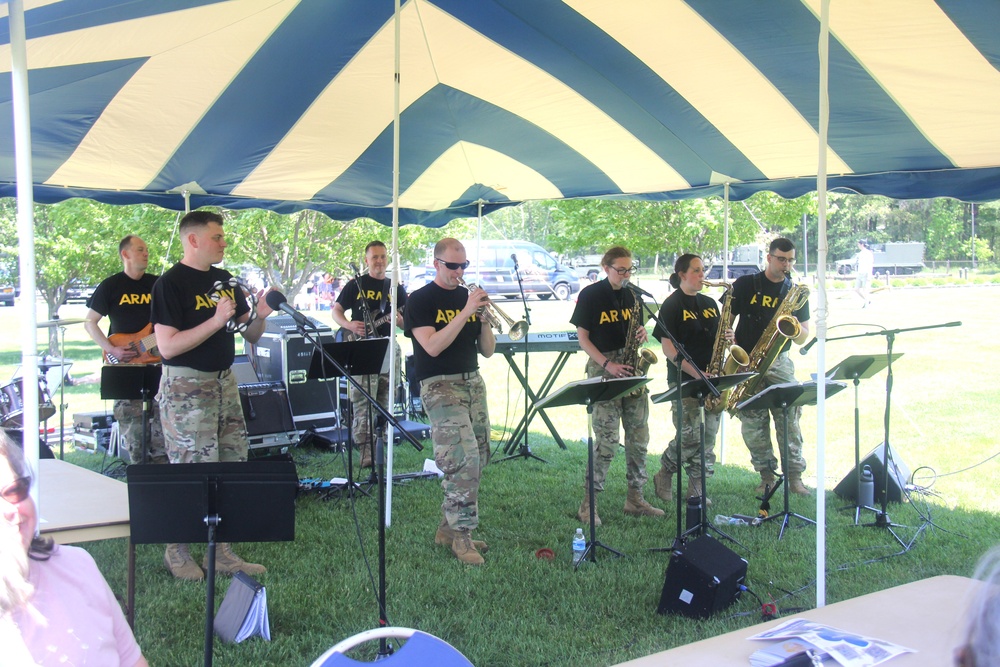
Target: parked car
{"type": "Point", "coordinates": [541, 273]}
{"type": "Point", "coordinates": [79, 293]}
{"type": "Point", "coordinates": [7, 294]}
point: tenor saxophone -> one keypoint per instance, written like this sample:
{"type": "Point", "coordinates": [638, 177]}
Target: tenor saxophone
{"type": "Point", "coordinates": [636, 356]}
{"type": "Point", "coordinates": [782, 328]}
{"type": "Point", "coordinates": [720, 364]}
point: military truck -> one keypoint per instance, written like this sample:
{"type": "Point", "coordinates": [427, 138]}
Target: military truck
{"type": "Point", "coordinates": [743, 260]}
{"type": "Point", "coordinates": [893, 258]}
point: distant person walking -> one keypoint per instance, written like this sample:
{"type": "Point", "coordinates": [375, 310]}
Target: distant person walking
{"type": "Point", "coordinates": [864, 262]}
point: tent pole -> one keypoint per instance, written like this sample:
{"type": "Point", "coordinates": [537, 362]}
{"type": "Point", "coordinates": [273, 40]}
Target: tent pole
{"type": "Point", "coordinates": [25, 233]}
{"type": "Point", "coordinates": [394, 278]}
{"type": "Point", "coordinates": [824, 122]}
{"type": "Point", "coordinates": [723, 422]}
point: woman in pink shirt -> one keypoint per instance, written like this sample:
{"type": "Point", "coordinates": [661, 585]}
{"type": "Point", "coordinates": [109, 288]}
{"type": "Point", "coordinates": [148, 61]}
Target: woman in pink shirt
{"type": "Point", "coordinates": [55, 607]}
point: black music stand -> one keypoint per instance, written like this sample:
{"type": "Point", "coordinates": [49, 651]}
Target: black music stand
{"type": "Point", "coordinates": [784, 396]}
{"type": "Point", "coordinates": [209, 502]}
{"type": "Point", "coordinates": [696, 388]}
{"type": "Point", "coordinates": [352, 358]}
{"type": "Point", "coordinates": [133, 382]}
{"type": "Point", "coordinates": [856, 368]}
{"type": "Point", "coordinates": [587, 392]}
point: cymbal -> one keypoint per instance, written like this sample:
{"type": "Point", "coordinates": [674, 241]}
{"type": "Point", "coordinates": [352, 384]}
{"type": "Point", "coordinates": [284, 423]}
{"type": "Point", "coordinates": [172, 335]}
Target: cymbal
{"type": "Point", "coordinates": [59, 323]}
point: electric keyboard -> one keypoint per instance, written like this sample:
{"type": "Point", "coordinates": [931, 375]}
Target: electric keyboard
{"type": "Point", "coordinates": [552, 341]}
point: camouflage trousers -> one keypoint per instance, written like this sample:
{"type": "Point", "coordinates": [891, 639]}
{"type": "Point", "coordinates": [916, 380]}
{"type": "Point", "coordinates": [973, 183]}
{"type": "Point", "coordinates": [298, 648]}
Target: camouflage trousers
{"type": "Point", "coordinates": [128, 414]}
{"type": "Point", "coordinates": [460, 431]}
{"type": "Point", "coordinates": [756, 425]}
{"type": "Point", "coordinates": [202, 419]}
{"type": "Point", "coordinates": [631, 413]}
{"type": "Point", "coordinates": [378, 387]}
{"type": "Point", "coordinates": [691, 440]}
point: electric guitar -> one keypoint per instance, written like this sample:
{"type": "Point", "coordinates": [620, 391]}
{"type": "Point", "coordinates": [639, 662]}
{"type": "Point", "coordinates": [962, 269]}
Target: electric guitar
{"type": "Point", "coordinates": [344, 335]}
{"type": "Point", "coordinates": [143, 343]}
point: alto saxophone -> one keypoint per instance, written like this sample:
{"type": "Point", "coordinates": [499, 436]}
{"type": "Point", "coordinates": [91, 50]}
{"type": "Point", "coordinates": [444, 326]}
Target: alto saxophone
{"type": "Point", "coordinates": [738, 358]}
{"type": "Point", "coordinates": [639, 358]}
{"type": "Point", "coordinates": [782, 328]}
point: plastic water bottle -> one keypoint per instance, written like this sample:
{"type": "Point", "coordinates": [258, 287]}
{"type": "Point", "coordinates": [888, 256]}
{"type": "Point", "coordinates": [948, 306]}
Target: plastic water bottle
{"type": "Point", "coordinates": [867, 497]}
{"type": "Point", "coordinates": [723, 520]}
{"type": "Point", "coordinates": [579, 546]}
{"type": "Point", "coordinates": [693, 513]}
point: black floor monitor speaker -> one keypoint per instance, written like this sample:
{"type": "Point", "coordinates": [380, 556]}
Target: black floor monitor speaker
{"type": "Point", "coordinates": [703, 576]}
{"type": "Point", "coordinates": [899, 474]}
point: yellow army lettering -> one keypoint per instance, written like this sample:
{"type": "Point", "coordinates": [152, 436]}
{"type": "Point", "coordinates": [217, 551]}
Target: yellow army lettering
{"type": "Point", "coordinates": [135, 299]}
{"type": "Point", "coordinates": [688, 315]}
{"type": "Point", "coordinates": [613, 315]}
{"type": "Point", "coordinates": [766, 301]}
{"type": "Point", "coordinates": [373, 295]}
{"type": "Point", "coordinates": [448, 315]}
{"type": "Point", "coordinates": [709, 313]}
{"type": "Point", "coordinates": [205, 301]}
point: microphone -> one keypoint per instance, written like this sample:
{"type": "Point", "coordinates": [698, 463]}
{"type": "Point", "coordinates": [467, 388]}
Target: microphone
{"type": "Point", "coordinates": [354, 267]}
{"type": "Point", "coordinates": [805, 348]}
{"type": "Point", "coordinates": [513, 256]}
{"type": "Point", "coordinates": [639, 290]}
{"type": "Point", "coordinates": [277, 301]}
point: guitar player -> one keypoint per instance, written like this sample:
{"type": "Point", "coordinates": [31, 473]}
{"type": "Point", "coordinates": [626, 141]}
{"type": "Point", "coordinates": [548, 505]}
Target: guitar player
{"type": "Point", "coordinates": [124, 299]}
{"type": "Point", "coordinates": [369, 292]}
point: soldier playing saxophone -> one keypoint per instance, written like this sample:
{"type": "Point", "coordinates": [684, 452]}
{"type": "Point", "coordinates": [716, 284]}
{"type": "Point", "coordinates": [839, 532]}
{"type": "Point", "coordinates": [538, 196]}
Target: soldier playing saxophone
{"type": "Point", "coordinates": [756, 298]}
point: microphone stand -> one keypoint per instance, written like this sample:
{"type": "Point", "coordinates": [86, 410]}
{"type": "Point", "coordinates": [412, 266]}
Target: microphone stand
{"type": "Point", "coordinates": [682, 354]}
{"type": "Point", "coordinates": [524, 450]}
{"type": "Point", "coordinates": [377, 465]}
{"type": "Point", "coordinates": [369, 320]}
{"type": "Point", "coordinates": [882, 516]}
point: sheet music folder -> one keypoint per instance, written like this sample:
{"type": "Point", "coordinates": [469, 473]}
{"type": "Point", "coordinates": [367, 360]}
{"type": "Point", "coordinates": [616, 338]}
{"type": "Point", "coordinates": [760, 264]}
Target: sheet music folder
{"type": "Point", "coordinates": [591, 390]}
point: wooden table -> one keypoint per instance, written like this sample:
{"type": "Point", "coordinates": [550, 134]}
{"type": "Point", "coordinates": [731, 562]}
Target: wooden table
{"type": "Point", "coordinates": [926, 615]}
{"type": "Point", "coordinates": [79, 505]}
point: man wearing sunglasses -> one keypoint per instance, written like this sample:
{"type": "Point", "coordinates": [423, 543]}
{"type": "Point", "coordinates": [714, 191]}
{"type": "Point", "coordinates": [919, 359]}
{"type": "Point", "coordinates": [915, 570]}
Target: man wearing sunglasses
{"type": "Point", "coordinates": [602, 318]}
{"type": "Point", "coordinates": [756, 297]}
{"type": "Point", "coordinates": [448, 337]}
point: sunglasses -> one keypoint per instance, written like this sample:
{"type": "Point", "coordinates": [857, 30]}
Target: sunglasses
{"type": "Point", "coordinates": [17, 491]}
{"type": "Point", "coordinates": [454, 266]}
{"type": "Point", "coordinates": [624, 272]}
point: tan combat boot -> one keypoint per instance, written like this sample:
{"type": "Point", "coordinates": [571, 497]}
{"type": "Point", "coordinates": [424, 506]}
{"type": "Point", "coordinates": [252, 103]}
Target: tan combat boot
{"type": "Point", "coordinates": [795, 484]}
{"type": "Point", "coordinates": [445, 536]}
{"type": "Point", "coordinates": [227, 562]}
{"type": "Point", "coordinates": [663, 485]}
{"type": "Point", "coordinates": [766, 482]}
{"type": "Point", "coordinates": [178, 560]}
{"type": "Point", "coordinates": [365, 459]}
{"type": "Point", "coordinates": [583, 514]}
{"type": "Point", "coordinates": [636, 505]}
{"type": "Point", "coordinates": [463, 548]}
{"type": "Point", "coordinates": [694, 489]}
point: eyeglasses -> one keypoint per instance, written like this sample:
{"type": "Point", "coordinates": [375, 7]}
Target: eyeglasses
{"type": "Point", "coordinates": [16, 491]}
{"type": "Point", "coordinates": [784, 260]}
{"type": "Point", "coordinates": [624, 272]}
{"type": "Point", "coordinates": [454, 266]}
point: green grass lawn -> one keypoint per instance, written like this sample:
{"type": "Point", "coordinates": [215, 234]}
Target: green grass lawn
{"type": "Point", "coordinates": [518, 610]}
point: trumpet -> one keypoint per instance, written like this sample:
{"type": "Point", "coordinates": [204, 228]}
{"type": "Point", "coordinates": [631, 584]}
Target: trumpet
{"type": "Point", "coordinates": [492, 315]}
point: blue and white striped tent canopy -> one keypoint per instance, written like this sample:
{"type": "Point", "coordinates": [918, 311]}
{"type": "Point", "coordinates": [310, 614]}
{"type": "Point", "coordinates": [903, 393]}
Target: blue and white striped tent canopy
{"type": "Point", "coordinates": [285, 104]}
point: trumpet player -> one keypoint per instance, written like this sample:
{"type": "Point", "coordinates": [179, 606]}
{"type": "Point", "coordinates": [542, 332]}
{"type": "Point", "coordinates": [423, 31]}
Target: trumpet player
{"type": "Point", "coordinates": [199, 401]}
{"type": "Point", "coordinates": [369, 294]}
{"type": "Point", "coordinates": [756, 298]}
{"type": "Point", "coordinates": [607, 319]}
{"type": "Point", "coordinates": [448, 337]}
{"type": "Point", "coordinates": [693, 318]}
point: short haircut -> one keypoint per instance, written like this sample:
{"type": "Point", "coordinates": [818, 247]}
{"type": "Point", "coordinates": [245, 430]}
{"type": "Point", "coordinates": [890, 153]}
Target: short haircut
{"type": "Point", "coordinates": [616, 252]}
{"type": "Point", "coordinates": [125, 243]}
{"type": "Point", "coordinates": [447, 243]}
{"type": "Point", "coordinates": [374, 244]}
{"type": "Point", "coordinates": [782, 244]}
{"type": "Point", "coordinates": [199, 219]}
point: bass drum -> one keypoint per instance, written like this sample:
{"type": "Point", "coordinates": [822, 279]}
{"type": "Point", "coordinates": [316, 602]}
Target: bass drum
{"type": "Point", "coordinates": [12, 404]}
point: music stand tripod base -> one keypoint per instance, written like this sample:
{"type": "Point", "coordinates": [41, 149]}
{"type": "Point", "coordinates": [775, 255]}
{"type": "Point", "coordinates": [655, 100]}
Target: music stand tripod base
{"type": "Point", "coordinates": [785, 396]}
{"type": "Point", "coordinates": [587, 392]}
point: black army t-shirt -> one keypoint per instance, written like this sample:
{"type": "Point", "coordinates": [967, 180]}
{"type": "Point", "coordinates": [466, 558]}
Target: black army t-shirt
{"type": "Point", "coordinates": [755, 309]}
{"type": "Point", "coordinates": [375, 292]}
{"type": "Point", "coordinates": [605, 313]}
{"type": "Point", "coordinates": [182, 300]}
{"type": "Point", "coordinates": [124, 301]}
{"type": "Point", "coordinates": [435, 306]}
{"type": "Point", "coordinates": [693, 320]}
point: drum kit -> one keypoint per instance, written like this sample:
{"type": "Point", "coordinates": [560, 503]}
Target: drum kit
{"type": "Point", "coordinates": [12, 394]}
